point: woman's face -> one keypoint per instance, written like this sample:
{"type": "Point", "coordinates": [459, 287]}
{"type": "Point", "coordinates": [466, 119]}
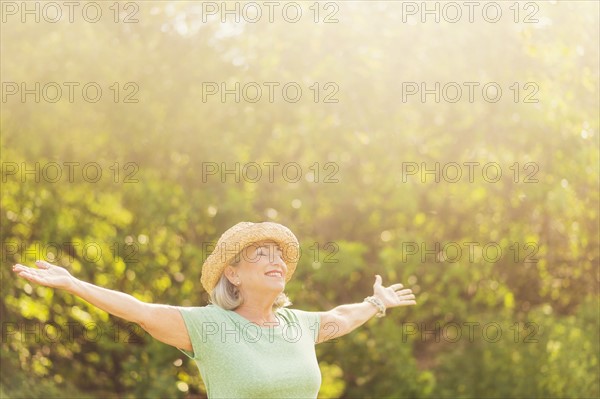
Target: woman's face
{"type": "Point", "coordinates": [262, 267]}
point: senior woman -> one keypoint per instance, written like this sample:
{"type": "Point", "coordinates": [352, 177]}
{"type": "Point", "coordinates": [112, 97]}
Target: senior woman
{"type": "Point", "coordinates": [246, 343]}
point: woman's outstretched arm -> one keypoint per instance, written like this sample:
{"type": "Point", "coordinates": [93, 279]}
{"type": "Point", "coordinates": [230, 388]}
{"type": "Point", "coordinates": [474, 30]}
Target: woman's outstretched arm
{"type": "Point", "coordinates": [163, 322]}
{"type": "Point", "coordinates": [344, 319]}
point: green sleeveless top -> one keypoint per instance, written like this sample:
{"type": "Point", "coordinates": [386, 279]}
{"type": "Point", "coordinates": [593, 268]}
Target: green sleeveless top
{"type": "Point", "coordinates": [240, 359]}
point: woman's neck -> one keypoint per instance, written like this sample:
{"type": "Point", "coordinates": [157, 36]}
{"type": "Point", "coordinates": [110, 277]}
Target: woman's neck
{"type": "Point", "coordinates": [259, 314]}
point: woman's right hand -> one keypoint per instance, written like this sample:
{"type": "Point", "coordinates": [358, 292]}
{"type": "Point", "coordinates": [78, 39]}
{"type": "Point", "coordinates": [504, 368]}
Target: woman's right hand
{"type": "Point", "coordinates": [47, 274]}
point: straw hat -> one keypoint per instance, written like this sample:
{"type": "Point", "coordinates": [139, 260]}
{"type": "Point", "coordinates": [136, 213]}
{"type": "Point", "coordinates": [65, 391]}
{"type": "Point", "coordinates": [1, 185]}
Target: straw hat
{"type": "Point", "coordinates": [239, 237]}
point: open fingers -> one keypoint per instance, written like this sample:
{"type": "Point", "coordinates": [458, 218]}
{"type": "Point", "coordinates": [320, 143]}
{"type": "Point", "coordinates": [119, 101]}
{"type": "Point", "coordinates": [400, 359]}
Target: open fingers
{"type": "Point", "coordinates": [406, 296]}
{"type": "Point", "coordinates": [408, 302]}
{"type": "Point", "coordinates": [42, 264]}
{"type": "Point", "coordinates": [25, 271]}
{"type": "Point", "coordinates": [31, 275]}
{"type": "Point", "coordinates": [19, 267]}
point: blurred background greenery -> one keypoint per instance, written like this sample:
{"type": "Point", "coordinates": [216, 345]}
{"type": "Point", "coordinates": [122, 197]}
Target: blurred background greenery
{"type": "Point", "coordinates": [143, 226]}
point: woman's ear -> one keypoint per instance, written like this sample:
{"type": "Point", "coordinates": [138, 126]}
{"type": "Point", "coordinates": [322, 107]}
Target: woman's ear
{"type": "Point", "coordinates": [229, 272]}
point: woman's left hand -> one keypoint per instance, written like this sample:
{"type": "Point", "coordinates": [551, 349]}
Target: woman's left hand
{"type": "Point", "coordinates": [393, 295]}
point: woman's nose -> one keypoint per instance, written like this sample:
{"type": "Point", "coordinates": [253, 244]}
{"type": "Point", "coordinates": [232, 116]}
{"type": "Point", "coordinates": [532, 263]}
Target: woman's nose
{"type": "Point", "coordinates": [278, 260]}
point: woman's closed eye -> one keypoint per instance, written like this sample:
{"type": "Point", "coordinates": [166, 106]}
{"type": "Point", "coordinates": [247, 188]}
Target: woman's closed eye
{"type": "Point", "coordinates": [261, 252]}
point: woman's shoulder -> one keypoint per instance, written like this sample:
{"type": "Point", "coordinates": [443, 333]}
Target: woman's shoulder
{"type": "Point", "coordinates": [295, 311]}
{"type": "Point", "coordinates": [209, 311]}
{"type": "Point", "coordinates": [297, 315]}
{"type": "Point", "coordinates": [206, 308]}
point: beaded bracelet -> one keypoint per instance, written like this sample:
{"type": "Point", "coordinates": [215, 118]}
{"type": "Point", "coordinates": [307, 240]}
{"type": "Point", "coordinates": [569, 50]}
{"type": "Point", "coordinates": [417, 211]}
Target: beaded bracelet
{"type": "Point", "coordinates": [377, 302]}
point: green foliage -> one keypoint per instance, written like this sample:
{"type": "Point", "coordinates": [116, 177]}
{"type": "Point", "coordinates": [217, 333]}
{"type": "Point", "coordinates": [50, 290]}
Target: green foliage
{"type": "Point", "coordinates": [558, 355]}
{"type": "Point", "coordinates": [145, 229]}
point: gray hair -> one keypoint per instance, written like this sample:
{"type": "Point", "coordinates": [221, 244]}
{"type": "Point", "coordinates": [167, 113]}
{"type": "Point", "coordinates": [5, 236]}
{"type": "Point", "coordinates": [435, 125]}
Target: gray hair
{"type": "Point", "coordinates": [227, 296]}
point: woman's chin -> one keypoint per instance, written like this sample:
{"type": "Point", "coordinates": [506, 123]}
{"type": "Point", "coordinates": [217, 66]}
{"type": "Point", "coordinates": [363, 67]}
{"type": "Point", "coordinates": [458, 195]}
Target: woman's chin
{"type": "Point", "coordinates": [276, 286]}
